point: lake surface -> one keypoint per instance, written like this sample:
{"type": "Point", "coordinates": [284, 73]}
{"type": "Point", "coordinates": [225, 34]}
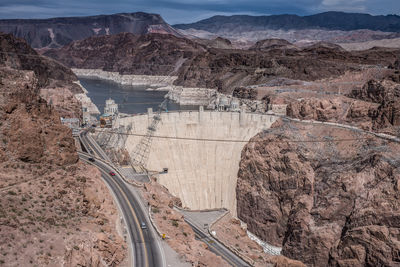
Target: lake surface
{"type": "Point", "coordinates": [130, 99]}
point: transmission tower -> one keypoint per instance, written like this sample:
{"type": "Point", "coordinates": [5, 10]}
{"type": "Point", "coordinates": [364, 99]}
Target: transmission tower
{"type": "Point", "coordinates": [142, 150]}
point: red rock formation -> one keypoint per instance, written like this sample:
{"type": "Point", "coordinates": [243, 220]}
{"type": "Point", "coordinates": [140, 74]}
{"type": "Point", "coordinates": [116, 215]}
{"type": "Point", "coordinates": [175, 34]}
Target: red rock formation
{"type": "Point", "coordinates": [203, 65]}
{"type": "Point", "coordinates": [327, 203]}
{"type": "Point", "coordinates": [152, 54]}
{"type": "Point", "coordinates": [52, 207]}
{"type": "Point", "coordinates": [32, 131]}
{"type": "Point", "coordinates": [246, 93]}
{"type": "Point", "coordinates": [52, 77]}
{"type": "Point", "coordinates": [387, 94]}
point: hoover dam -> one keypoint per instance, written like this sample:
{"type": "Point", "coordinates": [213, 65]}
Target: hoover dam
{"type": "Point", "coordinates": [202, 167]}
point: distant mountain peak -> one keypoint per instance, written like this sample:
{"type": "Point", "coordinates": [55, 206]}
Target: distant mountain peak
{"type": "Point", "coordinates": [330, 20]}
{"type": "Point", "coordinates": [57, 32]}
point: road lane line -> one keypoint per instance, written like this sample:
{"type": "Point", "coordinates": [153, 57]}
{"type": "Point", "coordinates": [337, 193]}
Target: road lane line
{"type": "Point", "coordinates": [134, 216]}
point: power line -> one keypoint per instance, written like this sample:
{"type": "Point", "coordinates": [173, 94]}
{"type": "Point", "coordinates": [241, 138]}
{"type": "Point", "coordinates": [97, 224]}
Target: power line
{"type": "Point", "coordinates": [238, 141]}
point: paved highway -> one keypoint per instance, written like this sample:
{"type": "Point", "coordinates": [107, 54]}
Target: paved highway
{"type": "Point", "coordinates": [217, 247]}
{"type": "Point", "coordinates": [147, 251]}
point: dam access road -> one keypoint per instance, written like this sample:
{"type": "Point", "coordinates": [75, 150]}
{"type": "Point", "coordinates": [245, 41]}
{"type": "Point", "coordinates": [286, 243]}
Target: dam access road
{"type": "Point", "coordinates": [145, 245]}
{"type": "Point", "coordinates": [147, 251]}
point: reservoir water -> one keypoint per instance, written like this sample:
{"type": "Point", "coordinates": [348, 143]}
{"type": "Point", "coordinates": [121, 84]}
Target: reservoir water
{"type": "Point", "coordinates": [130, 99]}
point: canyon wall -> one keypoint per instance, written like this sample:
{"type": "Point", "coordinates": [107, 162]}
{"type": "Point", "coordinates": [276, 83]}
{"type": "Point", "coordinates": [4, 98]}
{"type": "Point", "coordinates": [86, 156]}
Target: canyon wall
{"type": "Point", "coordinates": [325, 202]}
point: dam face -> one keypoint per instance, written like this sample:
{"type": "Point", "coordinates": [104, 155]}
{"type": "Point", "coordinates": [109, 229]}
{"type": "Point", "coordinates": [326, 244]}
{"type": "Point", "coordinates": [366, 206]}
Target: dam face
{"type": "Point", "coordinates": [202, 173]}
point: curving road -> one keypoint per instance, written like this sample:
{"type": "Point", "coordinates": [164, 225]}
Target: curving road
{"type": "Point", "coordinates": [146, 253]}
{"type": "Point", "coordinates": [146, 249]}
{"type": "Point", "coordinates": [216, 247]}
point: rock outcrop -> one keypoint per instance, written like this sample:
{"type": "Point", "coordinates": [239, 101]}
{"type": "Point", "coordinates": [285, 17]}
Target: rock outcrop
{"type": "Point", "coordinates": [52, 207]}
{"type": "Point", "coordinates": [327, 203]}
{"type": "Point", "coordinates": [52, 77]}
{"type": "Point", "coordinates": [269, 44]}
{"type": "Point", "coordinates": [245, 93]}
{"type": "Point", "coordinates": [126, 53]}
{"type": "Point", "coordinates": [374, 106]}
{"type": "Point", "coordinates": [17, 54]}
{"type": "Point", "coordinates": [202, 66]}
{"type": "Point", "coordinates": [386, 93]}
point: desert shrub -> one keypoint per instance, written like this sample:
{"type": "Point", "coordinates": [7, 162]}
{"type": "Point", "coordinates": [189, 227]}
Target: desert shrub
{"type": "Point", "coordinates": [175, 223]}
{"type": "Point", "coordinates": [155, 210]}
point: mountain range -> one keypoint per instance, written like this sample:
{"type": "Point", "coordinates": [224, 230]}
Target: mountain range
{"type": "Point", "coordinates": [242, 31]}
{"type": "Point", "coordinates": [57, 32]}
{"type": "Point", "coordinates": [327, 21]}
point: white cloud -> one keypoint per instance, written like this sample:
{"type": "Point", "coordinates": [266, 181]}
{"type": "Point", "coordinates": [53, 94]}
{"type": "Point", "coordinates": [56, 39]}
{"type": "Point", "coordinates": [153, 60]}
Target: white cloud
{"type": "Point", "coordinates": [32, 11]}
{"type": "Point", "coordinates": [343, 5]}
{"type": "Point", "coordinates": [341, 2]}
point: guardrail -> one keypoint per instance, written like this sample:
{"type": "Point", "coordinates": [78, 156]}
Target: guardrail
{"type": "Point", "coordinates": [228, 246]}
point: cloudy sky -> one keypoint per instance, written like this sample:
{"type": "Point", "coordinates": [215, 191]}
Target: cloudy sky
{"type": "Point", "coordinates": [182, 11]}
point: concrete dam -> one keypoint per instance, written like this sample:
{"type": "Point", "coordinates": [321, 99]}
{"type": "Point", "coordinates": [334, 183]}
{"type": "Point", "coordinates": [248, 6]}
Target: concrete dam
{"type": "Point", "coordinates": [202, 173]}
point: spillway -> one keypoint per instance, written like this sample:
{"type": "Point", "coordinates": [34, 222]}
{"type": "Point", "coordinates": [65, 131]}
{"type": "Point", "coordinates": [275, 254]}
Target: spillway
{"type": "Point", "coordinates": [203, 173]}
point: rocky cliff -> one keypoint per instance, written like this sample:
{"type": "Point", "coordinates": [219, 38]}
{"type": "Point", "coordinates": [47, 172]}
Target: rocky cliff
{"type": "Point", "coordinates": [327, 203]}
{"type": "Point", "coordinates": [199, 65]}
{"type": "Point", "coordinates": [57, 32]}
{"type": "Point", "coordinates": [54, 210]}
{"type": "Point", "coordinates": [373, 106]}
{"type": "Point", "coordinates": [52, 77]}
{"type": "Point", "coordinates": [227, 69]}
{"type": "Point", "coordinates": [386, 93]}
{"type": "Point", "coordinates": [17, 54]}
{"type": "Point", "coordinates": [152, 54]}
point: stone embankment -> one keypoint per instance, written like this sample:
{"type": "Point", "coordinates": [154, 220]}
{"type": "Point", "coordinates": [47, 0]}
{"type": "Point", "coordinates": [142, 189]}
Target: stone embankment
{"type": "Point", "coordinates": [190, 96]}
{"type": "Point", "coordinates": [86, 101]}
{"type": "Point", "coordinates": [146, 80]}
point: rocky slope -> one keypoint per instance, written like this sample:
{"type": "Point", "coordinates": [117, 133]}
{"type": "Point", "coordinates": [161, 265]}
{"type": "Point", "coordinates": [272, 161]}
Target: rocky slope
{"type": "Point", "coordinates": [17, 54]}
{"type": "Point", "coordinates": [152, 54]}
{"type": "Point", "coordinates": [52, 77]}
{"type": "Point", "coordinates": [54, 210]}
{"type": "Point", "coordinates": [386, 93]}
{"type": "Point", "coordinates": [395, 43]}
{"type": "Point", "coordinates": [338, 27]}
{"type": "Point", "coordinates": [198, 65]}
{"type": "Point", "coordinates": [327, 20]}
{"type": "Point", "coordinates": [269, 44]}
{"type": "Point", "coordinates": [327, 203]}
{"type": "Point", "coordinates": [227, 69]}
{"type": "Point", "coordinates": [57, 32]}
{"type": "Point", "coordinates": [180, 235]}
{"type": "Point", "coordinates": [374, 106]}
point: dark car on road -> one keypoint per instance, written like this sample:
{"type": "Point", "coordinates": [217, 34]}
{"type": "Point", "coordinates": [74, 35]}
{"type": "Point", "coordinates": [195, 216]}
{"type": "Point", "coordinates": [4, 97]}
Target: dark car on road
{"type": "Point", "coordinates": [91, 159]}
